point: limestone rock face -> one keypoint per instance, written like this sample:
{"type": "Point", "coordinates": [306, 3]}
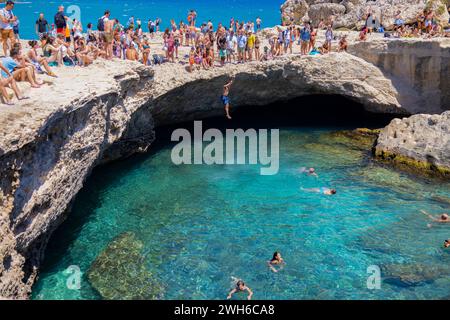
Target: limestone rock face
{"type": "Point", "coordinates": [294, 11]}
{"type": "Point", "coordinates": [48, 147]}
{"type": "Point", "coordinates": [119, 272]}
{"type": "Point", "coordinates": [325, 11]}
{"type": "Point", "coordinates": [281, 79]}
{"type": "Point", "coordinates": [350, 13]}
{"type": "Point", "coordinates": [418, 69]}
{"type": "Point", "coordinates": [421, 142]}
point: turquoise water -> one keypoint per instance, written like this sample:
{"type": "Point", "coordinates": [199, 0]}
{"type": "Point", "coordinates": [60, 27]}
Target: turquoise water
{"type": "Point", "coordinates": [203, 225]}
{"type": "Point", "coordinates": [91, 10]}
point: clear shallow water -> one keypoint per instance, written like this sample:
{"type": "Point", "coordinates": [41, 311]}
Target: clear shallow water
{"type": "Point", "coordinates": [203, 225]}
{"type": "Point", "coordinates": [91, 10]}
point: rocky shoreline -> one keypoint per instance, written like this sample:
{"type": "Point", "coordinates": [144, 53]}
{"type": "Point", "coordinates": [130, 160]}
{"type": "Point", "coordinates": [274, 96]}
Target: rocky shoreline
{"type": "Point", "coordinates": [349, 13]}
{"type": "Point", "coordinates": [420, 144]}
{"type": "Point", "coordinates": [50, 144]}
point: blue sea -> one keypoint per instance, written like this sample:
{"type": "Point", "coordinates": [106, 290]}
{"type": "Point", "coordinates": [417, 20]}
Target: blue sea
{"type": "Point", "coordinates": [90, 10]}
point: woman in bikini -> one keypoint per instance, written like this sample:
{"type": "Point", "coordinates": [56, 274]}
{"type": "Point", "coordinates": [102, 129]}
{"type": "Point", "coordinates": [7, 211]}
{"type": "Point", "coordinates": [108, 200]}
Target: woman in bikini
{"type": "Point", "coordinates": [145, 48]}
{"type": "Point", "coordinates": [312, 39]}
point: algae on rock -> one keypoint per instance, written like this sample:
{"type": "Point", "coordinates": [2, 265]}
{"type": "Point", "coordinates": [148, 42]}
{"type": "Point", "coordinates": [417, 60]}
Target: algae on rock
{"type": "Point", "coordinates": [119, 272]}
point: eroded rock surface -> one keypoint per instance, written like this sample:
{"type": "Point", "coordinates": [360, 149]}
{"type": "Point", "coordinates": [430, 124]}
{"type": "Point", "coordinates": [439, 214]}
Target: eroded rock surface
{"type": "Point", "coordinates": [350, 13]}
{"type": "Point", "coordinates": [420, 143]}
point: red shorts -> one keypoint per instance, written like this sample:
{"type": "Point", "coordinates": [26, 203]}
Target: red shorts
{"type": "Point", "coordinates": [61, 31]}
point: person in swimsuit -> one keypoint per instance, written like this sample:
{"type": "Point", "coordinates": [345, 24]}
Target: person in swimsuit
{"type": "Point", "coordinates": [323, 190]}
{"type": "Point", "coordinates": [309, 172]}
{"type": "Point", "coordinates": [444, 218]}
{"type": "Point", "coordinates": [225, 98]}
{"type": "Point", "coordinates": [241, 287]}
{"type": "Point", "coordinates": [277, 260]}
{"type": "Point", "coordinates": [343, 45]}
{"type": "Point", "coordinates": [447, 243]}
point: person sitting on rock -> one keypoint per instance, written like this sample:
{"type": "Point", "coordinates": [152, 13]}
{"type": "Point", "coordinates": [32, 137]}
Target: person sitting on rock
{"type": "Point", "coordinates": [444, 218]}
{"type": "Point", "coordinates": [343, 45]}
{"type": "Point", "coordinates": [7, 80]}
{"type": "Point", "coordinates": [363, 35]}
{"type": "Point", "coordinates": [20, 71]}
{"type": "Point", "coordinates": [324, 49]}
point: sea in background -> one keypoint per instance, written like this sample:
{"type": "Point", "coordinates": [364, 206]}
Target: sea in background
{"type": "Point", "coordinates": [90, 10]}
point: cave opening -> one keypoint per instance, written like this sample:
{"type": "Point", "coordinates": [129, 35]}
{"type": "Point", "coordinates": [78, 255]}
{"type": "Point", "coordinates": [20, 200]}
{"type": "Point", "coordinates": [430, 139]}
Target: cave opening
{"type": "Point", "coordinates": [318, 111]}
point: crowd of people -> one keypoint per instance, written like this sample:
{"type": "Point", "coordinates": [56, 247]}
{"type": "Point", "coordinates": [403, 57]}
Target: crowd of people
{"type": "Point", "coordinates": [425, 25]}
{"type": "Point", "coordinates": [197, 46]}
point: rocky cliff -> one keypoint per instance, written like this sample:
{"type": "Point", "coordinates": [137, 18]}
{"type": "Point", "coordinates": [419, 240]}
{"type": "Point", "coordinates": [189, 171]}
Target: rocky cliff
{"type": "Point", "coordinates": [419, 143]}
{"type": "Point", "coordinates": [50, 143]}
{"type": "Point", "coordinates": [418, 69]}
{"type": "Point", "coordinates": [350, 13]}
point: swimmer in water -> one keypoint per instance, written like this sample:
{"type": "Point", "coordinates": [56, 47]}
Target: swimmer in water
{"type": "Point", "coordinates": [447, 243]}
{"type": "Point", "coordinates": [309, 172]}
{"type": "Point", "coordinates": [277, 260]}
{"type": "Point", "coordinates": [323, 190]}
{"type": "Point", "coordinates": [241, 287]}
{"type": "Point", "coordinates": [226, 99]}
{"type": "Point", "coordinates": [444, 218]}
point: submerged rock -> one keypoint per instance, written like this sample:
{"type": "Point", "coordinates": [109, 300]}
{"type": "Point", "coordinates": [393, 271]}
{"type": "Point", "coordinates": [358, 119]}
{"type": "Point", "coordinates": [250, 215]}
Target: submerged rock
{"type": "Point", "coordinates": [405, 275]}
{"type": "Point", "coordinates": [360, 139]}
{"type": "Point", "coordinates": [420, 143]}
{"type": "Point", "coordinates": [389, 178]}
{"type": "Point", "coordinates": [119, 272]}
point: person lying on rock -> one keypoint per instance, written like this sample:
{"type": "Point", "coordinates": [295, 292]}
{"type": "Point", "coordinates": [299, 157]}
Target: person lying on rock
{"type": "Point", "coordinates": [444, 218]}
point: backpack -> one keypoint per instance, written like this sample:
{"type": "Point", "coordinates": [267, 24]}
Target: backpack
{"type": "Point", "coordinates": [101, 24]}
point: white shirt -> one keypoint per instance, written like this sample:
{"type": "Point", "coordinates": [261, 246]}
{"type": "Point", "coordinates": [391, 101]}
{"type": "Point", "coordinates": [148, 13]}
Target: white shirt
{"type": "Point", "coordinates": [8, 14]}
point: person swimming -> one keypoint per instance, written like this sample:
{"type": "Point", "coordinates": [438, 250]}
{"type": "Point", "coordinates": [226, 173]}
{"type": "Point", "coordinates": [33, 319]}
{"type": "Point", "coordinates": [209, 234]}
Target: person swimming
{"type": "Point", "coordinates": [322, 190]}
{"type": "Point", "coordinates": [241, 287]}
{"type": "Point", "coordinates": [444, 218]}
{"type": "Point", "coordinates": [277, 260]}
{"type": "Point", "coordinates": [447, 243]}
{"type": "Point", "coordinates": [309, 172]}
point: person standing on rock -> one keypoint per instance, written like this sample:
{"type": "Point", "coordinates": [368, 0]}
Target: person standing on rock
{"type": "Point", "coordinates": [329, 36]}
{"type": "Point", "coordinates": [7, 20]}
{"type": "Point", "coordinates": [226, 99]}
{"type": "Point", "coordinates": [305, 36]}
